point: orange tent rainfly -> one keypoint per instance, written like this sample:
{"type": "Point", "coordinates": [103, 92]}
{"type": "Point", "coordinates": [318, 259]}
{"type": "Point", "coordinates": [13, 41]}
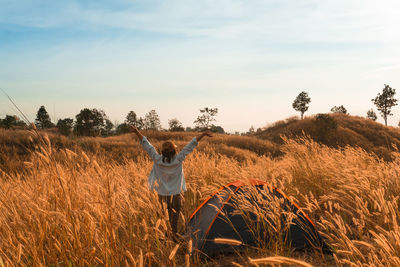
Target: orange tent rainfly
{"type": "Point", "coordinates": [251, 214]}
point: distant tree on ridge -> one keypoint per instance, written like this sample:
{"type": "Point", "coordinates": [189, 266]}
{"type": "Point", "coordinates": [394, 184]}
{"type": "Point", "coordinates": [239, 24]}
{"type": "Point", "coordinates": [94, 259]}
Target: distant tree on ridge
{"type": "Point", "coordinates": [251, 131]}
{"type": "Point", "coordinates": [301, 103]}
{"type": "Point", "coordinates": [339, 109]}
{"type": "Point", "coordinates": [371, 115]}
{"type": "Point", "coordinates": [385, 101]}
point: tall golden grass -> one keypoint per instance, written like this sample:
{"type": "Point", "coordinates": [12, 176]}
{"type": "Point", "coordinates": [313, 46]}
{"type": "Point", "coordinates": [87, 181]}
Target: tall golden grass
{"type": "Point", "coordinates": [18, 145]}
{"type": "Point", "coordinates": [79, 206]}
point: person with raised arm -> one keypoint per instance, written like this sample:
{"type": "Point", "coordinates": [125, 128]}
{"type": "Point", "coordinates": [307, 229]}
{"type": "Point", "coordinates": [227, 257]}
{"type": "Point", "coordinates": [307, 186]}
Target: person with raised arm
{"type": "Point", "coordinates": [166, 176]}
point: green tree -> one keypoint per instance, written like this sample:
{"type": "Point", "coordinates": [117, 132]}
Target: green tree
{"type": "Point", "coordinates": [301, 103]}
{"type": "Point", "coordinates": [205, 119]}
{"type": "Point", "coordinates": [10, 121]}
{"type": "Point", "coordinates": [152, 121]}
{"type": "Point", "coordinates": [385, 101]}
{"type": "Point", "coordinates": [339, 109]}
{"type": "Point", "coordinates": [65, 126]}
{"type": "Point", "coordinates": [140, 123]}
{"type": "Point", "coordinates": [371, 115]}
{"type": "Point", "coordinates": [123, 128]}
{"type": "Point", "coordinates": [91, 122]}
{"type": "Point", "coordinates": [131, 119]}
{"type": "Point", "coordinates": [217, 129]}
{"type": "Point", "coordinates": [108, 127]}
{"type": "Point", "coordinates": [175, 125]}
{"type": "Point", "coordinates": [251, 131]}
{"type": "Point", "coordinates": [42, 120]}
{"type": "Point", "coordinates": [19, 122]}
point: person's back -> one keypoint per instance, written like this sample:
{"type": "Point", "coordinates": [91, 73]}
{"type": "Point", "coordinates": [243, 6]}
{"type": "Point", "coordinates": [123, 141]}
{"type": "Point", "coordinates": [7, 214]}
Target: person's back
{"type": "Point", "coordinates": [166, 176]}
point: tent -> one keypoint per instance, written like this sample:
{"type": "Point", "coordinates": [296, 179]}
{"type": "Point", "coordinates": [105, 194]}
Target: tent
{"type": "Point", "coordinates": [253, 213]}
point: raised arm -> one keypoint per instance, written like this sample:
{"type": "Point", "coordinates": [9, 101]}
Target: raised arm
{"type": "Point", "coordinates": [136, 131]}
{"type": "Point", "coordinates": [145, 143]}
{"type": "Point", "coordinates": [191, 146]}
{"type": "Point", "coordinates": [207, 133]}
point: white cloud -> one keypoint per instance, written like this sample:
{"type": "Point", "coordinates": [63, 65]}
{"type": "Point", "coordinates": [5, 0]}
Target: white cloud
{"type": "Point", "coordinates": [226, 53]}
{"type": "Point", "coordinates": [288, 21]}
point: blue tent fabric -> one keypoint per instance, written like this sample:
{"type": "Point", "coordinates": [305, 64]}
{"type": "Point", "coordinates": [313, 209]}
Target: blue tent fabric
{"type": "Point", "coordinates": [223, 215]}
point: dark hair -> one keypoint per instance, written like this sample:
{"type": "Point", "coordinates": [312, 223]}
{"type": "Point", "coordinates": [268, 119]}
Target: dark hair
{"type": "Point", "coordinates": [168, 151]}
{"type": "Point", "coordinates": [168, 155]}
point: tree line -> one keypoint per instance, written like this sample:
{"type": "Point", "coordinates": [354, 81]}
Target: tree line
{"type": "Point", "coordinates": [383, 101]}
{"type": "Point", "coordinates": [95, 122]}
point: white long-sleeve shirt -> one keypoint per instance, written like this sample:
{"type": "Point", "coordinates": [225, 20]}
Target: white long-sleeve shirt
{"type": "Point", "coordinates": [167, 178]}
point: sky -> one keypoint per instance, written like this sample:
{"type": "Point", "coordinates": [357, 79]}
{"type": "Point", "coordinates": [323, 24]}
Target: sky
{"type": "Point", "coordinates": [248, 58]}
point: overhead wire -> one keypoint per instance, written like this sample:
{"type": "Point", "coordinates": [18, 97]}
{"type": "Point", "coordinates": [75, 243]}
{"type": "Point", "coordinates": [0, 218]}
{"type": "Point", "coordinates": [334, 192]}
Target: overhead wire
{"type": "Point", "coordinates": [15, 105]}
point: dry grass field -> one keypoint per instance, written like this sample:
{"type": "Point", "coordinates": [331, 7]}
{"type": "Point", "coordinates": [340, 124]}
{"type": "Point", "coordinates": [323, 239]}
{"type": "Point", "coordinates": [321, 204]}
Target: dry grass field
{"type": "Point", "coordinates": [85, 202]}
{"type": "Point", "coordinates": [338, 130]}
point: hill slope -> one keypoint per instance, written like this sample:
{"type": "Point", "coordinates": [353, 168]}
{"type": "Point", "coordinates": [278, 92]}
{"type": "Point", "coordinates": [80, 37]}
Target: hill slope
{"type": "Point", "coordinates": [338, 130]}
